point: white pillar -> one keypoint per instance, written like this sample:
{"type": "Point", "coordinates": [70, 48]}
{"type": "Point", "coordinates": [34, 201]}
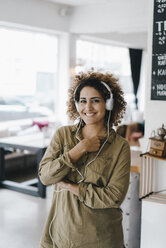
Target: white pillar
{"type": "Point", "coordinates": [66, 65]}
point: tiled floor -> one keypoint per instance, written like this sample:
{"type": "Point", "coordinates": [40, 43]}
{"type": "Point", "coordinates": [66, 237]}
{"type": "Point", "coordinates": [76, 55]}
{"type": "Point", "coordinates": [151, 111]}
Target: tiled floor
{"type": "Point", "coordinates": [22, 218]}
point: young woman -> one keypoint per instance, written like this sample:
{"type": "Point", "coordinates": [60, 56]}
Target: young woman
{"type": "Point", "coordinates": [89, 164]}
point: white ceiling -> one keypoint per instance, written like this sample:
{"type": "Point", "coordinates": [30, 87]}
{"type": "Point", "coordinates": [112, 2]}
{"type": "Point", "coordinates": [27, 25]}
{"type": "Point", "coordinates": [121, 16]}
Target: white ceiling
{"type": "Point", "coordinates": [80, 2]}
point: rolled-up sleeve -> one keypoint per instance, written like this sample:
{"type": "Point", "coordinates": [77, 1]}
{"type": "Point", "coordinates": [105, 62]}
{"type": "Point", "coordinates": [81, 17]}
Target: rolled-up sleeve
{"type": "Point", "coordinates": [56, 163]}
{"type": "Point", "coordinates": [114, 193]}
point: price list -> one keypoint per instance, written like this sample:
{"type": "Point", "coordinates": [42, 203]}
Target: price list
{"type": "Point", "coordinates": [158, 87]}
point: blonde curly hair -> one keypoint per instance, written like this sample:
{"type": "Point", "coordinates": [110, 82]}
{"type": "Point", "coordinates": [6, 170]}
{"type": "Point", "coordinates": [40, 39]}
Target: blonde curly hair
{"type": "Point", "coordinates": [93, 79]}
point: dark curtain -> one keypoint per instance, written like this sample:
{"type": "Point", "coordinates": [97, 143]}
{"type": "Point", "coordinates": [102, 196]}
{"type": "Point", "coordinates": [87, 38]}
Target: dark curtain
{"type": "Point", "coordinates": [135, 62]}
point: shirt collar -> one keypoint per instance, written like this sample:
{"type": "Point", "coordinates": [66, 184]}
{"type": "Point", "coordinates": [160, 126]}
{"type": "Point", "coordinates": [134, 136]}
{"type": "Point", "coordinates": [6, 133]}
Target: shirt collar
{"type": "Point", "coordinates": [79, 133]}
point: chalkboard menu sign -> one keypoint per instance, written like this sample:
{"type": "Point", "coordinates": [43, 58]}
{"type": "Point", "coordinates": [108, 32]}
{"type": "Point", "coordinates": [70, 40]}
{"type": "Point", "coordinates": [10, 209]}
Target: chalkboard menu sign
{"type": "Point", "coordinates": [158, 87]}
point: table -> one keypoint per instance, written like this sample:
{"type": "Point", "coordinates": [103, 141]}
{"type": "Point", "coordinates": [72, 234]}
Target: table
{"type": "Point", "coordinates": [34, 143]}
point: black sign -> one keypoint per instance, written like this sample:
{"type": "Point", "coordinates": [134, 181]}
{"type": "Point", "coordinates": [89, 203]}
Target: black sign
{"type": "Point", "coordinates": [158, 87]}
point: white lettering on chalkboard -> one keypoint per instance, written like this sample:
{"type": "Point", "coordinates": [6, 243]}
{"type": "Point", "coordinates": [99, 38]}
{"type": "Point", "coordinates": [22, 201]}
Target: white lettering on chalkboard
{"type": "Point", "coordinates": [161, 26]}
{"type": "Point", "coordinates": [161, 8]}
{"type": "Point", "coordinates": [161, 86]}
{"type": "Point", "coordinates": [161, 60]}
{"type": "Point", "coordinates": [160, 1]}
{"type": "Point", "coordinates": [161, 93]}
{"type": "Point", "coordinates": [161, 72]}
{"type": "Point", "coordinates": [162, 40]}
{"type": "Point", "coordinates": [162, 57]}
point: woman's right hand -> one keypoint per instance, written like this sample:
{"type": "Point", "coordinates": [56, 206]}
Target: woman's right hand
{"type": "Point", "coordinates": [86, 145]}
{"type": "Point", "coordinates": [91, 144]}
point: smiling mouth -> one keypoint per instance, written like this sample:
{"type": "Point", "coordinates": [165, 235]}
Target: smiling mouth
{"type": "Point", "coordinates": [90, 114]}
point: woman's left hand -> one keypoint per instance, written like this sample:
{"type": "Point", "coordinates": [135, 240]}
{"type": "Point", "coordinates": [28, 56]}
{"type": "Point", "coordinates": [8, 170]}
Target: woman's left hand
{"type": "Point", "coordinates": [73, 188]}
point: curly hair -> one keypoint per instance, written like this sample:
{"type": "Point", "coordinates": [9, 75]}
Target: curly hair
{"type": "Point", "coordinates": [93, 79]}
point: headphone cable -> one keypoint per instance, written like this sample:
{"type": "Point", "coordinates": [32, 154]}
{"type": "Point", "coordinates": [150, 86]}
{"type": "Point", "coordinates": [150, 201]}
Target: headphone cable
{"type": "Point", "coordinates": [85, 171]}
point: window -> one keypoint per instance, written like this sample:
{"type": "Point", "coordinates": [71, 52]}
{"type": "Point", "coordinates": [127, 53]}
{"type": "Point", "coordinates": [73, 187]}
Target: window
{"type": "Point", "coordinates": [28, 67]}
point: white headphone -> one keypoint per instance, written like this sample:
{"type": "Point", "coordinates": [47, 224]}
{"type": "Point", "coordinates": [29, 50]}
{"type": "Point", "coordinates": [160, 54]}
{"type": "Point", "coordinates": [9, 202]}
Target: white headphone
{"type": "Point", "coordinates": [109, 102]}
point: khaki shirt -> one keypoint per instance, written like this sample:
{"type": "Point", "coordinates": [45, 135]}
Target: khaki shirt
{"type": "Point", "coordinates": [93, 219]}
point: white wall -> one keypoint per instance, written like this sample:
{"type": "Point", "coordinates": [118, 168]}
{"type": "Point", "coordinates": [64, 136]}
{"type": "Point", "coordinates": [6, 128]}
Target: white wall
{"type": "Point", "coordinates": [124, 22]}
{"type": "Point", "coordinates": [132, 39]}
{"type": "Point", "coordinates": [124, 16]}
{"type": "Point", "coordinates": [35, 13]}
{"type": "Point", "coordinates": [153, 229]}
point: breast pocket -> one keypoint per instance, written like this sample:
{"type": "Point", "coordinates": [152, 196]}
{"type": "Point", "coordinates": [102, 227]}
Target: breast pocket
{"type": "Point", "coordinates": [99, 171]}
